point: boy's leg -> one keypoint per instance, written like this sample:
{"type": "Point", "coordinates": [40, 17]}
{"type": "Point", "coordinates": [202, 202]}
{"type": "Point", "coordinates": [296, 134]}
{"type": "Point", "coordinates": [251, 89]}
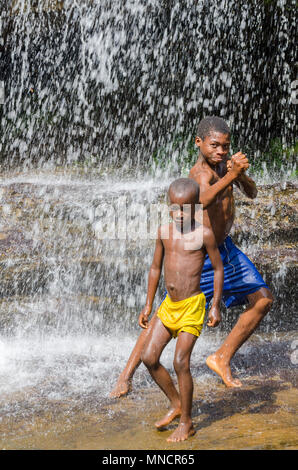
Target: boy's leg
{"type": "Point", "coordinates": [184, 347]}
{"type": "Point", "coordinates": [259, 305]}
{"type": "Point", "coordinates": [155, 343]}
{"type": "Point", "coordinates": [123, 385]}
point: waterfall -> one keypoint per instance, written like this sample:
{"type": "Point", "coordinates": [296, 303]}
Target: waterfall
{"type": "Point", "coordinates": [113, 83]}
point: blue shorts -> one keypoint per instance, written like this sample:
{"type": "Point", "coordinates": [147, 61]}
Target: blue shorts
{"type": "Point", "coordinates": [241, 277]}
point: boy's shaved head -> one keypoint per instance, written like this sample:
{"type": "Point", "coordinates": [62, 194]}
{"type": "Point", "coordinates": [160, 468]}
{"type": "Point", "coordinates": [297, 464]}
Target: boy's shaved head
{"type": "Point", "coordinates": [184, 187]}
{"type": "Point", "coordinates": [212, 123]}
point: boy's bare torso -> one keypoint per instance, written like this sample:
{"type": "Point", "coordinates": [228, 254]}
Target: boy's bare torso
{"type": "Point", "coordinates": [221, 213]}
{"type": "Point", "coordinates": [183, 266]}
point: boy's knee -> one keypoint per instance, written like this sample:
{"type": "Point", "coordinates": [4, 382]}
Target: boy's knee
{"type": "Point", "coordinates": [265, 303]}
{"type": "Point", "coordinates": [262, 301]}
{"type": "Point", "coordinates": [181, 364]}
{"type": "Point", "coordinates": [148, 360]}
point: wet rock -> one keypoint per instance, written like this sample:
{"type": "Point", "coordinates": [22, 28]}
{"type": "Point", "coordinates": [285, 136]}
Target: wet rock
{"type": "Point", "coordinates": [271, 218]}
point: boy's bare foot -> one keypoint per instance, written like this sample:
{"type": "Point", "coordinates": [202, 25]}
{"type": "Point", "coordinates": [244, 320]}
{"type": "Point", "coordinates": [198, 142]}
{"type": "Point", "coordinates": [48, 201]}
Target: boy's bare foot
{"type": "Point", "coordinates": [182, 432]}
{"type": "Point", "coordinates": [169, 417]}
{"type": "Point", "coordinates": [122, 388]}
{"type": "Point", "coordinates": [223, 370]}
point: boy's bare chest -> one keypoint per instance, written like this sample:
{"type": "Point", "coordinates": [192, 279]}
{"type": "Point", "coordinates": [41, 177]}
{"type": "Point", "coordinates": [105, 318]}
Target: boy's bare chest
{"type": "Point", "coordinates": [190, 247]}
{"type": "Point", "coordinates": [226, 195]}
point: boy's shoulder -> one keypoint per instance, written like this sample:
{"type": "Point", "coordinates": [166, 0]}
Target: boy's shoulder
{"type": "Point", "coordinates": [208, 234]}
{"type": "Point", "coordinates": [199, 171]}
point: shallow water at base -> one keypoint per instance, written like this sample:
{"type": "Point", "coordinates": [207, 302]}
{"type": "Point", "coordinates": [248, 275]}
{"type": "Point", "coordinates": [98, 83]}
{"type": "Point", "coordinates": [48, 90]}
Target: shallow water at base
{"type": "Point", "coordinates": [55, 395]}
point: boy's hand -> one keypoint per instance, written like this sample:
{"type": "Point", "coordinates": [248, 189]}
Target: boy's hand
{"type": "Point", "coordinates": [143, 318]}
{"type": "Point", "coordinates": [214, 317]}
{"type": "Point", "coordinates": [238, 164]}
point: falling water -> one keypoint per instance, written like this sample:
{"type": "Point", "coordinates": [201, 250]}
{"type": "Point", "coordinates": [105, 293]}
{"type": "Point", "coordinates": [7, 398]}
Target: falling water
{"type": "Point", "coordinates": [91, 80]}
{"type": "Point", "coordinates": [101, 101]}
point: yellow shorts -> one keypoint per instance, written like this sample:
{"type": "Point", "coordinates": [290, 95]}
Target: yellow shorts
{"type": "Point", "coordinates": [184, 315]}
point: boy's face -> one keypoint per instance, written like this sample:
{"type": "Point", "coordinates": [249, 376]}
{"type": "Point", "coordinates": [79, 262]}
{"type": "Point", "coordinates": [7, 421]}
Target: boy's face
{"type": "Point", "coordinates": [182, 209]}
{"type": "Point", "coordinates": [215, 147]}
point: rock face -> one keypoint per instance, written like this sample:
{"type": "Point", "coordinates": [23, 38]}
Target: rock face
{"type": "Point", "coordinates": [52, 263]}
{"type": "Point", "coordinates": [266, 228]}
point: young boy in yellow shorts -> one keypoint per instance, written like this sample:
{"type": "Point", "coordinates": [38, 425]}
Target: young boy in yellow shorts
{"type": "Point", "coordinates": [182, 247]}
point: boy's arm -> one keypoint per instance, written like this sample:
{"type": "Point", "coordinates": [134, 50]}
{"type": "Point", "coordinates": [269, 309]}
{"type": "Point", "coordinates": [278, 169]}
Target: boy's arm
{"type": "Point", "coordinates": [246, 185]}
{"type": "Point", "coordinates": [153, 280]}
{"type": "Point", "coordinates": [211, 247]}
{"type": "Point", "coordinates": [208, 192]}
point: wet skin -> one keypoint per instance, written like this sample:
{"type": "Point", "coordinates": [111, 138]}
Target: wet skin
{"type": "Point", "coordinates": [182, 265]}
{"type": "Point", "coordinates": [182, 268]}
{"type": "Point", "coordinates": [182, 246]}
